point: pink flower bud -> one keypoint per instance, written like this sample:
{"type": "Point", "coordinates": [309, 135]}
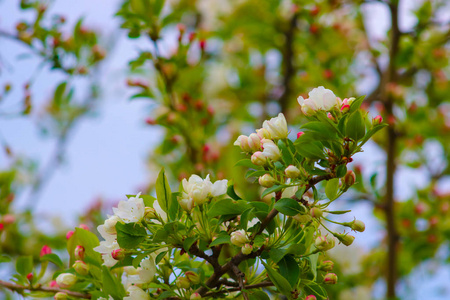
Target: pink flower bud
{"type": "Point", "coordinates": [2, 226]}
{"type": "Point", "coordinates": [300, 134]}
{"type": "Point", "coordinates": [263, 133]}
{"type": "Point", "coordinates": [316, 212]}
{"type": "Point", "coordinates": [247, 249]}
{"type": "Point", "coordinates": [79, 252]}
{"type": "Point", "coordinates": [118, 254]}
{"type": "Point", "coordinates": [311, 297]}
{"type": "Point", "coordinates": [202, 44]}
{"type": "Point", "coordinates": [45, 250]}
{"type": "Point", "coordinates": [53, 284]}
{"type": "Point", "coordinates": [330, 116]}
{"type": "Point", "coordinates": [377, 120]}
{"type": "Point", "coordinates": [83, 226]}
{"type": "Point", "coordinates": [242, 142]}
{"type": "Point", "coordinates": [69, 234]}
{"type": "Point", "coordinates": [266, 181]}
{"type": "Point", "coordinates": [81, 267]}
{"type": "Point", "coordinates": [195, 296]}
{"type": "Point", "coordinates": [326, 265]}
{"type": "Point", "coordinates": [259, 159]}
{"type": "Point", "coordinates": [30, 277]}
{"type": "Point", "coordinates": [254, 142]}
{"type": "Point", "coordinates": [330, 278]}
{"type": "Point", "coordinates": [349, 178]}
{"type": "Point", "coordinates": [9, 219]}
{"type": "Point", "coordinates": [324, 243]}
{"type": "Point", "coordinates": [181, 28]}
{"type": "Point", "coordinates": [345, 108]}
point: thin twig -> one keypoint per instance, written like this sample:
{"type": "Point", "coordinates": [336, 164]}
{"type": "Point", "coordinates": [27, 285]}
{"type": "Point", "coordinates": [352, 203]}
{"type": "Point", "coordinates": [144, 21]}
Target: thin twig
{"type": "Point", "coordinates": [20, 288]}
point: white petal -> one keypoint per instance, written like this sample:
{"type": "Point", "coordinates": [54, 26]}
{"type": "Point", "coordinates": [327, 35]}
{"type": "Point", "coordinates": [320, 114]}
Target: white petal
{"type": "Point", "coordinates": [219, 187]}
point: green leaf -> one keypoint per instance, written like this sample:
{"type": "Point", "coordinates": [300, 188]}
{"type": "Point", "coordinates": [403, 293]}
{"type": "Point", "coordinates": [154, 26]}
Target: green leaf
{"type": "Point", "coordinates": [24, 265]}
{"type": "Point", "coordinates": [372, 131]}
{"type": "Point", "coordinates": [160, 256]}
{"type": "Point", "coordinates": [130, 235]}
{"type": "Point", "coordinates": [111, 285]}
{"type": "Point", "coordinates": [247, 163]}
{"type": "Point", "coordinates": [356, 104]}
{"type": "Point", "coordinates": [332, 187]}
{"type": "Point", "coordinates": [288, 207]}
{"type": "Point", "coordinates": [221, 239]}
{"type": "Point", "coordinates": [310, 150]}
{"type": "Point", "coordinates": [355, 127]}
{"type": "Point", "coordinates": [313, 260]}
{"type": "Point", "coordinates": [279, 281]}
{"type": "Point", "coordinates": [323, 129]}
{"type": "Point", "coordinates": [258, 295]}
{"type": "Point", "coordinates": [314, 288]}
{"type": "Point", "coordinates": [341, 171]}
{"type": "Point", "coordinates": [52, 257]}
{"type": "Point", "coordinates": [89, 241]}
{"type": "Point", "coordinates": [285, 153]}
{"type": "Point", "coordinates": [188, 242]}
{"type": "Point", "coordinates": [4, 258]}
{"type": "Point", "coordinates": [163, 192]}
{"type": "Point", "coordinates": [273, 189]}
{"type": "Point", "coordinates": [289, 269]}
{"type": "Point", "coordinates": [231, 192]}
{"type": "Point", "coordinates": [227, 207]}
{"type": "Point", "coordinates": [174, 206]}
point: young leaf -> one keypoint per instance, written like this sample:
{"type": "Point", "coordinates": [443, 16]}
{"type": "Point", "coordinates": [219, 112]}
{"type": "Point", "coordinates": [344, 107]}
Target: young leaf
{"type": "Point", "coordinates": [312, 287]}
{"type": "Point", "coordinates": [310, 150]}
{"type": "Point", "coordinates": [221, 239]}
{"type": "Point", "coordinates": [286, 155]}
{"type": "Point", "coordinates": [227, 207]}
{"type": "Point", "coordinates": [278, 280]}
{"type": "Point", "coordinates": [24, 265]}
{"type": "Point", "coordinates": [130, 235]}
{"type": "Point", "coordinates": [52, 257]}
{"type": "Point", "coordinates": [288, 207]}
{"type": "Point", "coordinates": [111, 286]}
{"type": "Point", "coordinates": [332, 187]}
{"type": "Point", "coordinates": [163, 192]}
{"type": "Point", "coordinates": [356, 104]}
{"type": "Point", "coordinates": [355, 127]}
{"type": "Point", "coordinates": [289, 269]}
{"type": "Point", "coordinates": [232, 193]}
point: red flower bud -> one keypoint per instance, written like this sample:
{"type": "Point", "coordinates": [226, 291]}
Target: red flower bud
{"type": "Point", "coordinates": [30, 277]}
{"type": "Point", "coordinates": [202, 44]}
{"type": "Point", "coordinates": [345, 108]}
{"type": "Point", "coordinates": [83, 226]}
{"type": "Point", "coordinates": [118, 254]}
{"type": "Point", "coordinates": [311, 297]}
{"type": "Point", "coordinates": [300, 134]}
{"type": "Point", "coordinates": [330, 278]}
{"type": "Point", "coordinates": [377, 120]}
{"type": "Point", "coordinates": [46, 250]}
{"type": "Point", "coordinates": [69, 234]}
{"type": "Point", "coordinates": [79, 252]}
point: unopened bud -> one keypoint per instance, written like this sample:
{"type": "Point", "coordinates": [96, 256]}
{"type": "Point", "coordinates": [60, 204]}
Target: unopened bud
{"type": "Point", "coordinates": [349, 178]}
{"type": "Point", "coordinates": [193, 277]}
{"type": "Point", "coordinates": [259, 159]}
{"type": "Point", "coordinates": [311, 297]}
{"type": "Point", "coordinates": [254, 142]}
{"type": "Point", "coordinates": [118, 254]}
{"type": "Point", "coordinates": [377, 120]}
{"type": "Point", "coordinates": [239, 238]}
{"type": "Point", "coordinates": [30, 277]}
{"type": "Point", "coordinates": [45, 250]}
{"type": "Point", "coordinates": [330, 116]}
{"type": "Point", "coordinates": [358, 225]}
{"type": "Point", "coordinates": [330, 278]}
{"type": "Point", "coordinates": [300, 134]}
{"type": "Point", "coordinates": [345, 108]}
{"type": "Point", "coordinates": [302, 218]}
{"type": "Point", "coordinates": [266, 180]}
{"type": "Point", "coordinates": [150, 213]}
{"type": "Point", "coordinates": [81, 267]}
{"type": "Point", "coordinates": [242, 141]}
{"type": "Point", "coordinates": [66, 280]}
{"type": "Point", "coordinates": [316, 212]}
{"type": "Point", "coordinates": [84, 226]}
{"type": "Point", "coordinates": [324, 243]}
{"type": "Point", "coordinates": [263, 133]}
{"type": "Point", "coordinates": [195, 296]}
{"type": "Point", "coordinates": [345, 239]}
{"type": "Point", "coordinates": [60, 296]}
{"type": "Point", "coordinates": [247, 249]}
{"type": "Point", "coordinates": [79, 252]}
{"type": "Point", "coordinates": [292, 171]}
{"type": "Point", "coordinates": [69, 234]}
{"type": "Point", "coordinates": [183, 283]}
{"type": "Point", "coordinates": [326, 265]}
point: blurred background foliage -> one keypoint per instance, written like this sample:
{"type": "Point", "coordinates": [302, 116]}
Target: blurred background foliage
{"type": "Point", "coordinates": [233, 64]}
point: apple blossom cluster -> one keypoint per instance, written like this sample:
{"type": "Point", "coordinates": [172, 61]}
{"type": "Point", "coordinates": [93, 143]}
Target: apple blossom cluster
{"type": "Point", "coordinates": [197, 191]}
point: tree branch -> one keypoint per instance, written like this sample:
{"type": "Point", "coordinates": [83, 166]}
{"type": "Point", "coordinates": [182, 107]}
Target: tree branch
{"type": "Point", "coordinates": [20, 288]}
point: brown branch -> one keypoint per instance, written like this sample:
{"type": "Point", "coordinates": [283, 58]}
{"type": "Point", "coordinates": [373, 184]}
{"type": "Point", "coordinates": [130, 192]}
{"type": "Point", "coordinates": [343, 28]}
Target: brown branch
{"type": "Point", "coordinates": [235, 289]}
{"type": "Point", "coordinates": [21, 288]}
{"type": "Point", "coordinates": [199, 253]}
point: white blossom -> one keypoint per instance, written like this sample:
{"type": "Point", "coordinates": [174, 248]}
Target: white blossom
{"type": "Point", "coordinates": [270, 150]}
{"type": "Point", "coordinates": [320, 98]}
{"type": "Point", "coordinates": [197, 191]}
{"type": "Point", "coordinates": [132, 210]}
{"type": "Point", "coordinates": [277, 127]}
{"type": "Point", "coordinates": [136, 293]}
